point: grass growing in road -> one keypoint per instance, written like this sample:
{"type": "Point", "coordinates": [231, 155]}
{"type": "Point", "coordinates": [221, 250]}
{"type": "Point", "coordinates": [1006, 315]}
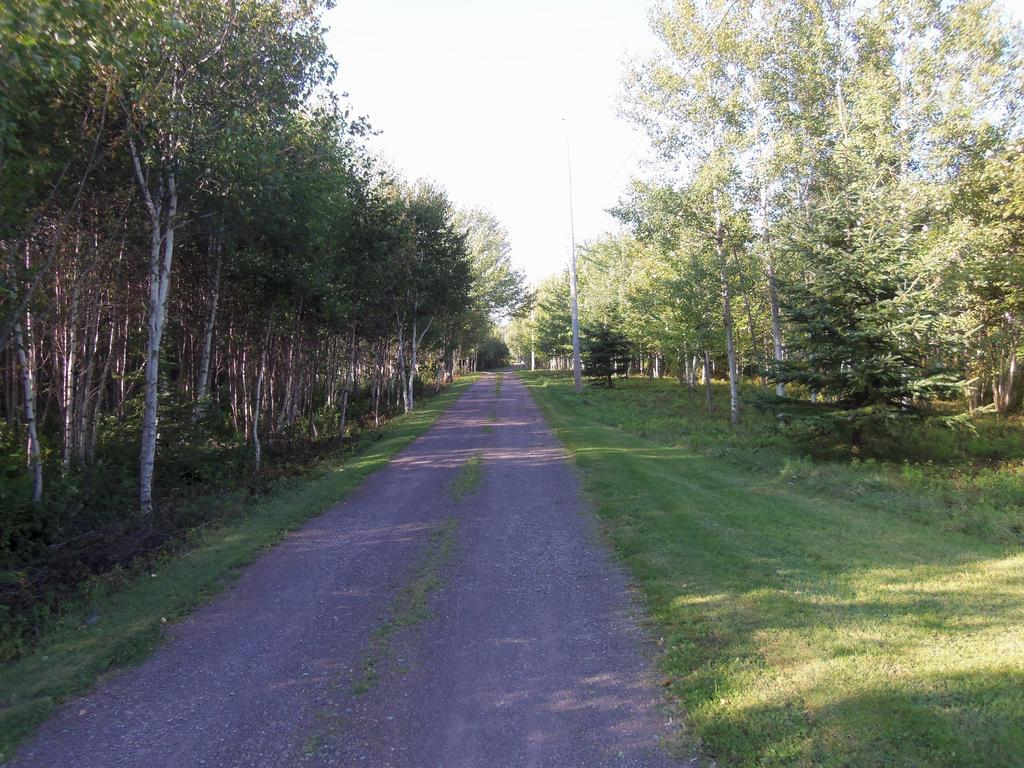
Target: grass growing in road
{"type": "Point", "coordinates": [410, 605]}
{"type": "Point", "coordinates": [802, 623]}
{"type": "Point", "coordinates": [468, 478]}
{"type": "Point", "coordinates": [492, 417]}
{"type": "Point", "coordinates": [126, 622]}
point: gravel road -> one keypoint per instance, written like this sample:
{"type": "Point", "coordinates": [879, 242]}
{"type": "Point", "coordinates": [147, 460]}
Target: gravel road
{"type": "Point", "coordinates": [456, 611]}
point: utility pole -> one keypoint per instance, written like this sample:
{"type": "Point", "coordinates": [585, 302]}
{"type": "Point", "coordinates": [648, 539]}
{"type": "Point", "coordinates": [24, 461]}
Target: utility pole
{"type": "Point", "coordinates": [533, 341]}
{"type": "Point", "coordinates": [577, 365]}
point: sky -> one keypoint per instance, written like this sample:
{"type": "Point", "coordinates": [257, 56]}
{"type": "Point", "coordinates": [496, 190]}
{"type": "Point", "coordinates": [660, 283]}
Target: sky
{"type": "Point", "coordinates": [472, 94]}
{"type": "Point", "coordinates": [476, 95]}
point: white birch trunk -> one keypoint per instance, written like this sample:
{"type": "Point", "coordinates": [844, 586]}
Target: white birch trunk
{"type": "Point", "coordinates": [1003, 383]}
{"type": "Point", "coordinates": [411, 373]}
{"type": "Point", "coordinates": [404, 392]}
{"type": "Point", "coordinates": [350, 377]}
{"type": "Point", "coordinates": [416, 341]}
{"type": "Point", "coordinates": [92, 348]}
{"type": "Point", "coordinates": [203, 385]}
{"type": "Point", "coordinates": [730, 344]}
{"type": "Point", "coordinates": [683, 369]}
{"type": "Point", "coordinates": [773, 291]}
{"type": "Point", "coordinates": [29, 393]}
{"type": "Point", "coordinates": [258, 404]}
{"type": "Point", "coordinates": [68, 393]}
{"type": "Point", "coordinates": [707, 378]}
{"type": "Point", "coordinates": [161, 256]}
{"type": "Point", "coordinates": [773, 299]}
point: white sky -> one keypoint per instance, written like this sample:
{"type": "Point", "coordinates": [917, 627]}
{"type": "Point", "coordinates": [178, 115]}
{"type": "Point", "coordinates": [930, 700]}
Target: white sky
{"type": "Point", "coordinates": [471, 93]}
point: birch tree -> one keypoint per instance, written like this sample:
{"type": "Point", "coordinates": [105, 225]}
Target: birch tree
{"type": "Point", "coordinates": [691, 101]}
{"type": "Point", "coordinates": [174, 106]}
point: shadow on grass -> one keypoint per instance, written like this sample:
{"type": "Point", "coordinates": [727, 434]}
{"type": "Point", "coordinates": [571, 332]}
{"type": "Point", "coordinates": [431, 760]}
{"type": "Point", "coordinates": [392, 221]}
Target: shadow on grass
{"type": "Point", "coordinates": [938, 723]}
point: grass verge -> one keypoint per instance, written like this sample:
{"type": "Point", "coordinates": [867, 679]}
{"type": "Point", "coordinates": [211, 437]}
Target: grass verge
{"type": "Point", "coordinates": [801, 625]}
{"type": "Point", "coordinates": [119, 626]}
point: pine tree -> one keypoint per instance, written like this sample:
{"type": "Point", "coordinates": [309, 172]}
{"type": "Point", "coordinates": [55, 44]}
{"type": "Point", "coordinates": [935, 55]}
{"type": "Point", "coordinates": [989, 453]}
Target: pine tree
{"type": "Point", "coordinates": [863, 317]}
{"type": "Point", "coordinates": [605, 352]}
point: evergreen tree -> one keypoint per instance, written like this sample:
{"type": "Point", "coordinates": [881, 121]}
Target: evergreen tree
{"type": "Point", "coordinates": [863, 317]}
{"type": "Point", "coordinates": [605, 352]}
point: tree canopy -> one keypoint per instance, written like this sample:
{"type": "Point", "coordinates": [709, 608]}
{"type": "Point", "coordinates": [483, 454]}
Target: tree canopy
{"type": "Point", "coordinates": [834, 208]}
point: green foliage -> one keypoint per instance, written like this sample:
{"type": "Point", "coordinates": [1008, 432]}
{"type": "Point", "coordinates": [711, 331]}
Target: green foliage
{"type": "Point", "coordinates": [438, 269]}
{"type": "Point", "coordinates": [552, 320]}
{"type": "Point", "coordinates": [521, 334]}
{"type": "Point", "coordinates": [835, 206]}
{"type": "Point", "coordinates": [301, 269]}
{"type": "Point", "coordinates": [863, 320]}
{"type": "Point", "coordinates": [84, 528]}
{"type": "Point", "coordinates": [498, 288]}
{"type": "Point", "coordinates": [605, 352]}
{"type": "Point", "coordinates": [493, 353]}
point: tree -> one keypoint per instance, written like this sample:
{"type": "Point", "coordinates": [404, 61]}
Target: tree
{"type": "Point", "coordinates": [438, 273]}
{"type": "Point", "coordinates": [194, 75]}
{"type": "Point", "coordinates": [980, 254]}
{"type": "Point", "coordinates": [493, 353]}
{"type": "Point", "coordinates": [692, 99]}
{"type": "Point", "coordinates": [553, 320]}
{"type": "Point", "coordinates": [191, 145]}
{"type": "Point", "coordinates": [864, 317]}
{"type": "Point", "coordinates": [671, 223]}
{"type": "Point", "coordinates": [498, 290]}
{"type": "Point", "coordinates": [770, 118]}
{"type": "Point", "coordinates": [605, 352]}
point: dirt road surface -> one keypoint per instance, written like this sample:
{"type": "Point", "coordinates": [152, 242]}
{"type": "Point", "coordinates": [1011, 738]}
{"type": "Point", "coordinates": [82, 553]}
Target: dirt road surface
{"type": "Point", "coordinates": [456, 611]}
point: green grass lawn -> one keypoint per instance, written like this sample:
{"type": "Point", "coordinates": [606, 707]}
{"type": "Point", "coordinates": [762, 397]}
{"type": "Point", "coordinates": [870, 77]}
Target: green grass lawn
{"type": "Point", "coordinates": [809, 614]}
{"type": "Point", "coordinates": [120, 625]}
